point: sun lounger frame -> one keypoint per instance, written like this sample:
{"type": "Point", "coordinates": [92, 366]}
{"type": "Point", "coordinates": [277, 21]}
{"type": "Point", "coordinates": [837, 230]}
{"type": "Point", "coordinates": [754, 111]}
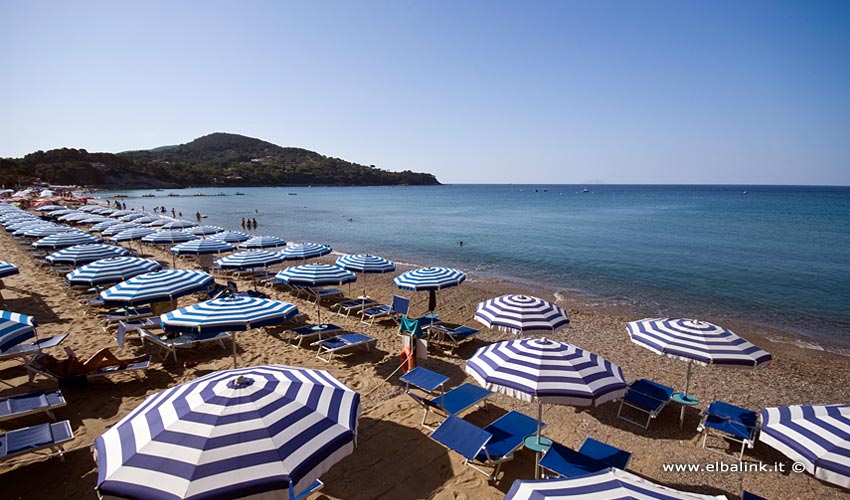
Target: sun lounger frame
{"type": "Point", "coordinates": [399, 307]}
{"type": "Point", "coordinates": [137, 369]}
{"type": "Point", "coordinates": [348, 341]}
{"type": "Point", "coordinates": [453, 402]}
{"type": "Point", "coordinates": [353, 305]}
{"type": "Point", "coordinates": [32, 348]}
{"type": "Point", "coordinates": [721, 417]}
{"type": "Point", "coordinates": [310, 333]}
{"type": "Point", "coordinates": [592, 456]}
{"type": "Point", "coordinates": [640, 394]}
{"type": "Point", "coordinates": [49, 401]}
{"type": "Point", "coordinates": [60, 433]}
{"type": "Point", "coordinates": [172, 345]}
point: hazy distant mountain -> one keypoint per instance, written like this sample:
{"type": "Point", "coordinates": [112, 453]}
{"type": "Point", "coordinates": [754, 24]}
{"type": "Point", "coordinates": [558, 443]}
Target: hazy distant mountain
{"type": "Point", "coordinates": [217, 159]}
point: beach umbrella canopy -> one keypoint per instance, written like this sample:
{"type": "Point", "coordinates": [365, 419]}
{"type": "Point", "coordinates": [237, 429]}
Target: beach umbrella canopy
{"type": "Point", "coordinates": [15, 328]}
{"type": "Point", "coordinates": [303, 251]}
{"type": "Point", "coordinates": [89, 208]}
{"type": "Point", "coordinates": [157, 223]}
{"type": "Point", "coordinates": [113, 270]}
{"type": "Point", "coordinates": [134, 233]}
{"type": "Point", "coordinates": [206, 230]}
{"type": "Point", "coordinates": [75, 217]}
{"type": "Point", "coordinates": [120, 213]}
{"type": "Point", "coordinates": [228, 314]}
{"type": "Point", "coordinates": [16, 221]}
{"type": "Point", "coordinates": [179, 224]}
{"type": "Point", "coordinates": [119, 228]}
{"type": "Point", "coordinates": [157, 286]}
{"type": "Point", "coordinates": [263, 431]}
{"type": "Point", "coordinates": [145, 219]}
{"type": "Point", "coordinates": [365, 263]}
{"type": "Point", "coordinates": [100, 226]}
{"type": "Point", "coordinates": [40, 230]}
{"type": "Point", "coordinates": [231, 236]}
{"type": "Point", "coordinates": [249, 259]}
{"type": "Point", "coordinates": [263, 242]}
{"type": "Point", "coordinates": [94, 219]}
{"type": "Point", "coordinates": [607, 483]}
{"type": "Point", "coordinates": [817, 436]}
{"type": "Point", "coordinates": [315, 275]}
{"type": "Point", "coordinates": [131, 217]}
{"type": "Point", "coordinates": [8, 269]}
{"type": "Point", "coordinates": [548, 371]}
{"type": "Point", "coordinates": [66, 239]}
{"type": "Point", "coordinates": [696, 342]}
{"type": "Point", "coordinates": [201, 247]}
{"type": "Point", "coordinates": [521, 314]}
{"type": "Point", "coordinates": [168, 237]}
{"type": "Point", "coordinates": [50, 208]}
{"type": "Point", "coordinates": [429, 278]}
{"type": "Point", "coordinates": [60, 213]}
{"type": "Point", "coordinates": [89, 252]}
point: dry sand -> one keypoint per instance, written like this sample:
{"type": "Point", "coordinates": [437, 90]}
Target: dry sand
{"type": "Point", "coordinates": [395, 459]}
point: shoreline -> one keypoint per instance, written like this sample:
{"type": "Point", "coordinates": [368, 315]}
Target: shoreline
{"type": "Point", "coordinates": [390, 420]}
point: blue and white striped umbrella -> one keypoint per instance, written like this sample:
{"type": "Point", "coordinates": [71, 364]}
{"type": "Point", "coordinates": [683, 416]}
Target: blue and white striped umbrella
{"type": "Point", "coordinates": [262, 431]}
{"type": "Point", "coordinates": [60, 213]}
{"type": "Point", "coordinates": [134, 233]}
{"type": "Point", "coordinates": [157, 286]}
{"type": "Point", "coordinates": [179, 224]}
{"type": "Point", "coordinates": [548, 371]}
{"type": "Point", "coordinates": [79, 254]}
{"type": "Point", "coordinates": [131, 217]}
{"type": "Point", "coordinates": [696, 342]}
{"type": "Point", "coordinates": [103, 211]}
{"type": "Point", "coordinates": [16, 223]}
{"type": "Point", "coordinates": [8, 269]}
{"type": "Point", "coordinates": [94, 219]}
{"type": "Point", "coordinates": [206, 230]}
{"type": "Point", "coordinates": [315, 275]}
{"type": "Point", "coordinates": [201, 247]}
{"type": "Point", "coordinates": [263, 242]}
{"type": "Point", "coordinates": [429, 278]}
{"type": "Point", "coordinates": [145, 219]}
{"type": "Point", "coordinates": [66, 239]}
{"type": "Point", "coordinates": [15, 328]}
{"type": "Point", "coordinates": [303, 251]}
{"type": "Point", "coordinates": [75, 217]}
{"type": "Point", "coordinates": [231, 236]}
{"type": "Point", "coordinates": [249, 259]}
{"type": "Point", "coordinates": [105, 271]}
{"type": "Point", "coordinates": [817, 436]}
{"type": "Point", "coordinates": [100, 226]}
{"type": "Point", "coordinates": [608, 483]}
{"type": "Point", "coordinates": [228, 314]}
{"type": "Point", "coordinates": [166, 237]}
{"type": "Point", "coordinates": [90, 208]}
{"type": "Point", "coordinates": [365, 263]}
{"type": "Point", "coordinates": [50, 208]}
{"type": "Point", "coordinates": [521, 314]}
{"type": "Point", "coordinates": [41, 230]}
{"type": "Point", "coordinates": [118, 228]}
{"type": "Point", "coordinates": [157, 222]}
{"type": "Point", "coordinates": [120, 213]}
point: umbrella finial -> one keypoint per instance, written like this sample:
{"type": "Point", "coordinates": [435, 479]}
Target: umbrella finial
{"type": "Point", "coordinates": [240, 382]}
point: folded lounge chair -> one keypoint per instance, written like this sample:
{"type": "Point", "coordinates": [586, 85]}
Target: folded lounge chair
{"type": "Point", "coordinates": [29, 404]}
{"type": "Point", "coordinates": [35, 368]}
{"type": "Point", "coordinates": [347, 307]}
{"type": "Point", "coordinates": [491, 446]}
{"type": "Point", "coordinates": [453, 402]}
{"type": "Point", "coordinates": [170, 346]}
{"type": "Point", "coordinates": [127, 314]}
{"type": "Point", "coordinates": [729, 422]}
{"type": "Point", "coordinates": [37, 437]}
{"type": "Point", "coordinates": [593, 456]}
{"type": "Point", "coordinates": [398, 308]}
{"type": "Point", "coordinates": [319, 295]}
{"type": "Point", "coordinates": [647, 397]}
{"type": "Point", "coordinates": [310, 333]}
{"type": "Point", "coordinates": [30, 349]}
{"type": "Point", "coordinates": [343, 342]}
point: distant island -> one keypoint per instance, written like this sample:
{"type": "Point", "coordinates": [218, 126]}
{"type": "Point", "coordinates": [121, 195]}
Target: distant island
{"type": "Point", "coordinates": [219, 159]}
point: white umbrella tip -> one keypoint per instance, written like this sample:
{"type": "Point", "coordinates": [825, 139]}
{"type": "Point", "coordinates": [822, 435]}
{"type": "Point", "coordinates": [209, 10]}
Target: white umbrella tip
{"type": "Point", "coordinates": [241, 382]}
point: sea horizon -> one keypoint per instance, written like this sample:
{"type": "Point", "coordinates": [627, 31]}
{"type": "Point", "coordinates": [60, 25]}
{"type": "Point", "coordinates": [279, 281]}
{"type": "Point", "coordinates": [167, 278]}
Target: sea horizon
{"type": "Point", "coordinates": [773, 255]}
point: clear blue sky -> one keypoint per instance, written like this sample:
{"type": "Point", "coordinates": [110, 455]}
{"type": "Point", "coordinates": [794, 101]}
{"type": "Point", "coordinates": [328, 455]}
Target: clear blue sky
{"type": "Point", "coordinates": [472, 91]}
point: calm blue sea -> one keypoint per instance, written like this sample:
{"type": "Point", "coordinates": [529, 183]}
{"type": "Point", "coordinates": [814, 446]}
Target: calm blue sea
{"type": "Point", "coordinates": [778, 256]}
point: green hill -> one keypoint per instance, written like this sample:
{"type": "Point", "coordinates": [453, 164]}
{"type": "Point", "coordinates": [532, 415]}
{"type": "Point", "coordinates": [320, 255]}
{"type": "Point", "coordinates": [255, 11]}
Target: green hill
{"type": "Point", "coordinates": [217, 159]}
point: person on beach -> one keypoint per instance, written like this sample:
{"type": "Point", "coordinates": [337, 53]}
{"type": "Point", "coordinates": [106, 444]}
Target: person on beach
{"type": "Point", "coordinates": [254, 223]}
{"type": "Point", "coordinates": [180, 214]}
{"type": "Point", "coordinates": [75, 366]}
{"type": "Point", "coordinates": [173, 212]}
{"type": "Point", "coordinates": [243, 222]}
{"type": "Point", "coordinates": [198, 216]}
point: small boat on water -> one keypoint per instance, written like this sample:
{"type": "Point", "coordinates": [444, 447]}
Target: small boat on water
{"type": "Point", "coordinates": [585, 190]}
{"type": "Point", "coordinates": [237, 193]}
{"type": "Point", "coordinates": [148, 195]}
{"type": "Point", "coordinates": [292, 194]}
{"type": "Point", "coordinates": [172, 195]}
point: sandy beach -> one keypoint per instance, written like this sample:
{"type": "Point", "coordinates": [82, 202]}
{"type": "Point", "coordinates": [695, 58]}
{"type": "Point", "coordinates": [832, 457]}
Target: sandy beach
{"type": "Point", "coordinates": [395, 459]}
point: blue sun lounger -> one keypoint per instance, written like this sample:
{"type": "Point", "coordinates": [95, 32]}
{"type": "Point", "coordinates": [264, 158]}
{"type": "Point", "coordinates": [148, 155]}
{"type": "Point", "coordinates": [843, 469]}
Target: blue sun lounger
{"type": "Point", "coordinates": [647, 397]}
{"type": "Point", "coordinates": [452, 337]}
{"type": "Point", "coordinates": [37, 437]}
{"type": "Point", "coordinates": [398, 308]}
{"type": "Point", "coordinates": [453, 402]}
{"type": "Point", "coordinates": [29, 404]}
{"type": "Point", "coordinates": [353, 305]}
{"type": "Point", "coordinates": [311, 332]}
{"type": "Point", "coordinates": [32, 348]}
{"type": "Point", "coordinates": [343, 342]}
{"type": "Point", "coordinates": [593, 456]}
{"type": "Point", "coordinates": [138, 369]}
{"type": "Point", "coordinates": [491, 446]}
{"type": "Point", "coordinates": [729, 422]}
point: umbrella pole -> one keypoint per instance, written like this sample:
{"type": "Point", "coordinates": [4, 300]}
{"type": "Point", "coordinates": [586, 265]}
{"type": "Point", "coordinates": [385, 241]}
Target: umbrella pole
{"type": "Point", "coordinates": [539, 418]}
{"type": "Point", "coordinates": [688, 379]}
{"type": "Point", "coordinates": [233, 341]}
